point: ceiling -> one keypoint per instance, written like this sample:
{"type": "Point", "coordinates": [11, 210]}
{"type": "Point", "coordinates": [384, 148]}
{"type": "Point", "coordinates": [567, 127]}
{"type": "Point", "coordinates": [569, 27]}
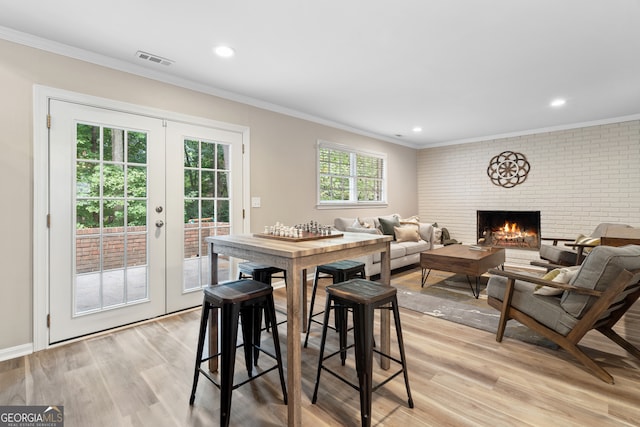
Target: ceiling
{"type": "Point", "coordinates": [462, 70]}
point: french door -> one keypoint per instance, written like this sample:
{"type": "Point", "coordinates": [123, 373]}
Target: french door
{"type": "Point", "coordinates": [131, 199]}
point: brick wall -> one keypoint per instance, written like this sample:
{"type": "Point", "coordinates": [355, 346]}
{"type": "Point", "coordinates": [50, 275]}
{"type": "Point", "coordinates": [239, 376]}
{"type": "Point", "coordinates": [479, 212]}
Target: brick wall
{"type": "Point", "coordinates": [88, 245]}
{"type": "Point", "coordinates": [578, 178]}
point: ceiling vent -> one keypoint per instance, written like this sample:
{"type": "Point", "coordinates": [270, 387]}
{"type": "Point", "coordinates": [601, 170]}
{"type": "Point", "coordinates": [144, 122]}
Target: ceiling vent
{"type": "Point", "coordinates": [153, 58]}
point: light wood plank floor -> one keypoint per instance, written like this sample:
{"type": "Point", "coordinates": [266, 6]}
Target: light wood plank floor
{"type": "Point", "coordinates": [460, 376]}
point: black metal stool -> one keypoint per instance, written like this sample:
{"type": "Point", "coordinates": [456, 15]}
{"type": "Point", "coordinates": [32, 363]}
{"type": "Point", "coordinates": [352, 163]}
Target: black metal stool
{"type": "Point", "coordinates": [242, 298]}
{"type": "Point", "coordinates": [363, 297]}
{"type": "Point", "coordinates": [339, 271]}
{"type": "Point", "coordinates": [260, 272]}
{"type": "Point", "coordinates": [265, 274]}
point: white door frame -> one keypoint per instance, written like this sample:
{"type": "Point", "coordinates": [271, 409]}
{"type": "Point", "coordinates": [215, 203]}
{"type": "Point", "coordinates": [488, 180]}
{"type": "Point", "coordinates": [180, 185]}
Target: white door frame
{"type": "Point", "coordinates": [41, 96]}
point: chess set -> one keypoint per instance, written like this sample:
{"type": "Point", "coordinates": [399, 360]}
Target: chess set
{"type": "Point", "coordinates": [312, 230]}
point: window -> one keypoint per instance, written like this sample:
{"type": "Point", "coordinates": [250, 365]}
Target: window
{"type": "Point", "coordinates": [350, 177]}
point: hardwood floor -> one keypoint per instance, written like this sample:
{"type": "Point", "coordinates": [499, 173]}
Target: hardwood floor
{"type": "Point", "coordinates": [459, 376]}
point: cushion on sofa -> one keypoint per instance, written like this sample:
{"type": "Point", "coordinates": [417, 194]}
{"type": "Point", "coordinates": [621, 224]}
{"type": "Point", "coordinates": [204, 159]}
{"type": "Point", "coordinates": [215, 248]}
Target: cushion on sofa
{"type": "Point", "coordinates": [368, 222]}
{"type": "Point", "coordinates": [342, 223]}
{"type": "Point", "coordinates": [387, 225]}
{"type": "Point", "coordinates": [406, 233]}
{"type": "Point", "coordinates": [415, 219]}
{"type": "Point", "coordinates": [398, 250]}
{"type": "Point", "coordinates": [363, 230]}
{"type": "Point", "coordinates": [414, 247]}
{"type": "Point", "coordinates": [427, 232]}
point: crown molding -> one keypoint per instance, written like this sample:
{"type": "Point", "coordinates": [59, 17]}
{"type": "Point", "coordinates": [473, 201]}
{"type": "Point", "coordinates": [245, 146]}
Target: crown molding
{"type": "Point", "coordinates": [569, 126]}
{"type": "Point", "coordinates": [127, 67]}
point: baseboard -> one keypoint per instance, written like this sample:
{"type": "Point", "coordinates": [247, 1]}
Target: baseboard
{"type": "Point", "coordinates": [17, 351]}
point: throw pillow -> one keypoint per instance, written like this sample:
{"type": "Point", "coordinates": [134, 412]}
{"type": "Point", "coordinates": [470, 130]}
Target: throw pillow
{"type": "Point", "coordinates": [365, 224]}
{"type": "Point", "coordinates": [426, 232]}
{"type": "Point", "coordinates": [551, 274]}
{"type": "Point", "coordinates": [586, 240]}
{"type": "Point", "coordinates": [438, 233]}
{"type": "Point", "coordinates": [412, 219]}
{"type": "Point", "coordinates": [414, 225]}
{"type": "Point", "coordinates": [387, 225]}
{"type": "Point", "coordinates": [341, 223]}
{"type": "Point", "coordinates": [406, 234]}
{"type": "Point", "coordinates": [567, 274]}
{"type": "Point", "coordinates": [558, 275]}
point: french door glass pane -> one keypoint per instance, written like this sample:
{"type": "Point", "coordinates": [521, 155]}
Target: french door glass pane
{"type": "Point", "coordinates": [113, 184]}
{"type": "Point", "coordinates": [111, 218]}
{"type": "Point", "coordinates": [137, 263]}
{"type": "Point", "coordinates": [191, 184]}
{"type": "Point", "coordinates": [222, 185]}
{"type": "Point", "coordinates": [113, 283]}
{"type": "Point", "coordinates": [87, 262]}
{"type": "Point", "coordinates": [86, 185]}
{"type": "Point", "coordinates": [206, 207]}
{"type": "Point", "coordinates": [208, 183]}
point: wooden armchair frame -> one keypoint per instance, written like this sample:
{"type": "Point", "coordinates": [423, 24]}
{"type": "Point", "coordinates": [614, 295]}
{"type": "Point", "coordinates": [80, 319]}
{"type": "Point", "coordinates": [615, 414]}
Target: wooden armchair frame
{"type": "Point", "coordinates": [594, 318]}
{"type": "Point", "coordinates": [548, 266]}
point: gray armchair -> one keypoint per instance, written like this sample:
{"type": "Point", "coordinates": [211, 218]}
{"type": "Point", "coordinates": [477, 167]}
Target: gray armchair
{"type": "Point", "coordinates": [601, 291]}
{"type": "Point", "coordinates": [572, 252]}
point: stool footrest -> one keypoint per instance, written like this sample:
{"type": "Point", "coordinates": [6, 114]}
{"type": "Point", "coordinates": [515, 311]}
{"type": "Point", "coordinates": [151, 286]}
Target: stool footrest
{"type": "Point", "coordinates": [357, 387]}
{"type": "Point", "coordinates": [328, 326]}
{"type": "Point", "coordinates": [338, 352]}
{"type": "Point", "coordinates": [235, 386]}
{"type": "Point", "coordinates": [387, 356]}
{"type": "Point", "coordinates": [374, 388]}
{"type": "Point", "coordinates": [341, 378]}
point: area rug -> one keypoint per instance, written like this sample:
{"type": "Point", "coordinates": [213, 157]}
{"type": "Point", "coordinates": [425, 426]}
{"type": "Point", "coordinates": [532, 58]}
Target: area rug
{"type": "Point", "coordinates": [448, 296]}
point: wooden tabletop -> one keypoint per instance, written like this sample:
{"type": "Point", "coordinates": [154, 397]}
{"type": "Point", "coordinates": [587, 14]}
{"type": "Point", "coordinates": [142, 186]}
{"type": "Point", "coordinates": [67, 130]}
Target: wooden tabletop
{"type": "Point", "coordinates": [290, 249]}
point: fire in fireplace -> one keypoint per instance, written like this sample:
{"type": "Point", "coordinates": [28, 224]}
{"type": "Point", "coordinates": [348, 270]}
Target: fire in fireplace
{"type": "Point", "coordinates": [509, 229]}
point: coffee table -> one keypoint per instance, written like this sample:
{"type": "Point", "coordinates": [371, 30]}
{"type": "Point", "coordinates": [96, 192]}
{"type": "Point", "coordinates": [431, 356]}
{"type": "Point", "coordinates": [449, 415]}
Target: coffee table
{"type": "Point", "coordinates": [461, 259]}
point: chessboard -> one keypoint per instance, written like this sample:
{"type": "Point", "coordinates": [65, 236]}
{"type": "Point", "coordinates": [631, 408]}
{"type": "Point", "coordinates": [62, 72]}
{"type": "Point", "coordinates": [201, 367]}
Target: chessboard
{"type": "Point", "coordinates": [306, 235]}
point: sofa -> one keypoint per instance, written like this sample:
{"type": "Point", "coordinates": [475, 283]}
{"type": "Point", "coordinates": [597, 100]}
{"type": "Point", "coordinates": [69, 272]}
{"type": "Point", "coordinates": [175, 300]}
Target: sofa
{"type": "Point", "coordinates": [410, 238]}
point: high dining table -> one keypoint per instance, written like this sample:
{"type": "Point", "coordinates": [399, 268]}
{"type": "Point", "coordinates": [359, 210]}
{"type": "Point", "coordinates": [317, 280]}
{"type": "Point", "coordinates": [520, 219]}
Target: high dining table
{"type": "Point", "coordinates": [295, 257]}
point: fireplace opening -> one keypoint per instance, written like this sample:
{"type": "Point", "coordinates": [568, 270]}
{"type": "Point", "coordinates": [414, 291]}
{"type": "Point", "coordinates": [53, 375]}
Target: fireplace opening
{"type": "Point", "coordinates": [509, 229]}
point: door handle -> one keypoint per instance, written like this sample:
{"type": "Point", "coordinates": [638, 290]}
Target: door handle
{"type": "Point", "coordinates": [159, 223]}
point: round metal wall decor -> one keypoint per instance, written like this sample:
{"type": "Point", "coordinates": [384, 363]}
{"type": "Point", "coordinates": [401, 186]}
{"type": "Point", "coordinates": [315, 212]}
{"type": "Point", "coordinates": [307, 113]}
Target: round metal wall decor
{"type": "Point", "coordinates": [508, 169]}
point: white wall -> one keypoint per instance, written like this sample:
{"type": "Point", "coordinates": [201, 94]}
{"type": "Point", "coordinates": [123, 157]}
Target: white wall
{"type": "Point", "coordinates": [578, 178]}
{"type": "Point", "coordinates": [282, 161]}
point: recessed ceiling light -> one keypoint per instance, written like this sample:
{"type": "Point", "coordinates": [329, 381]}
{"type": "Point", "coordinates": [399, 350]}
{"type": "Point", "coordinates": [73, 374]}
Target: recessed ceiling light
{"type": "Point", "coordinates": [417, 129]}
{"type": "Point", "coordinates": [224, 51]}
{"type": "Point", "coordinates": [559, 102]}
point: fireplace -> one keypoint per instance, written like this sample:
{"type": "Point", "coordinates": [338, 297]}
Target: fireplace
{"type": "Point", "coordinates": [509, 229]}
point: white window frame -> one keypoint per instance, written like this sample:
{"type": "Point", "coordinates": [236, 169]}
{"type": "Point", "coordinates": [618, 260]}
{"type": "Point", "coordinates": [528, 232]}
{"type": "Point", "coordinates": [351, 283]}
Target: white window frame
{"type": "Point", "coordinates": [353, 191]}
